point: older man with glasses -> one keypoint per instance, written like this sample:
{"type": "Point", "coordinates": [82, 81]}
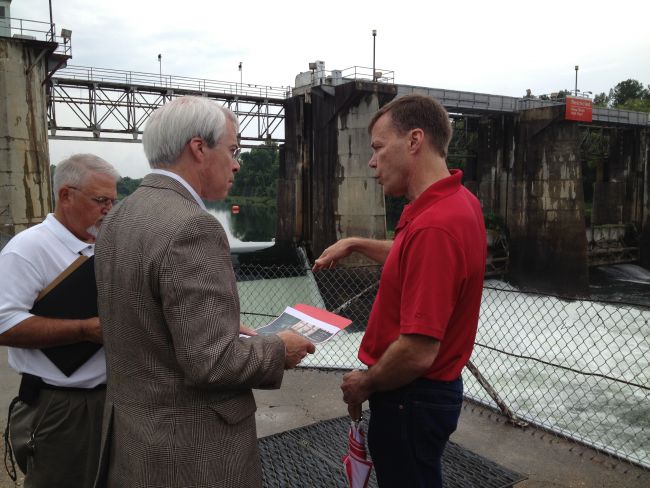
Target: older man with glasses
{"type": "Point", "coordinates": [179, 405]}
{"type": "Point", "coordinates": [55, 422]}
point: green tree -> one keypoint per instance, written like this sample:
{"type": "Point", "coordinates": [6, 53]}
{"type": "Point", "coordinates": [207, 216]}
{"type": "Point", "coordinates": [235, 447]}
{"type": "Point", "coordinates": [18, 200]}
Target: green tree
{"type": "Point", "coordinates": [601, 100]}
{"type": "Point", "coordinates": [628, 90]}
{"type": "Point", "coordinates": [636, 104]}
{"type": "Point", "coordinates": [259, 172]}
{"type": "Point", "coordinates": [562, 94]}
{"type": "Point", "coordinates": [126, 186]}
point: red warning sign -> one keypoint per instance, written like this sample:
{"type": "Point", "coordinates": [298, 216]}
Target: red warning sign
{"type": "Point", "coordinates": [579, 109]}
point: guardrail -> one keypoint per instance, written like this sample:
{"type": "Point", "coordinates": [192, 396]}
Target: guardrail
{"type": "Point", "coordinates": [34, 30]}
{"type": "Point", "coordinates": [132, 78]}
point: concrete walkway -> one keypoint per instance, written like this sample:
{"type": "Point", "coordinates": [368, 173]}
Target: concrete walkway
{"type": "Point", "coordinates": [308, 396]}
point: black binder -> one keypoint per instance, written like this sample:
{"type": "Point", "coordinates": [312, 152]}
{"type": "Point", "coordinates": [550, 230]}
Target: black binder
{"type": "Point", "coordinates": [72, 295]}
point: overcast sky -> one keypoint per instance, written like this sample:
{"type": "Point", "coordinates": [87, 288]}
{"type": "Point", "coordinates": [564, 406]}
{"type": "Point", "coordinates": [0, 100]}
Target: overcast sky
{"type": "Point", "coordinates": [498, 47]}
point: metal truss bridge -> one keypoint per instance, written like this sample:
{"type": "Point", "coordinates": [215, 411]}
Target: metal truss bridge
{"type": "Point", "coordinates": [113, 105]}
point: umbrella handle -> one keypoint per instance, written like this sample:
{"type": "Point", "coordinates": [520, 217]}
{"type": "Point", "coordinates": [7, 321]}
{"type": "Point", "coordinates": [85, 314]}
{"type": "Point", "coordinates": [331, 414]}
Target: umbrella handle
{"type": "Point", "coordinates": [354, 409]}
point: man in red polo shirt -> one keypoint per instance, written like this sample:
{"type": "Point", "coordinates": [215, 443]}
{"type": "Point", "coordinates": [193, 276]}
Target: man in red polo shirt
{"type": "Point", "coordinates": [423, 323]}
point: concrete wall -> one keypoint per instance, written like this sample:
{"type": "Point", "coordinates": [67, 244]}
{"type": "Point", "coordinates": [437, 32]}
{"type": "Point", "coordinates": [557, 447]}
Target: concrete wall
{"type": "Point", "coordinates": [546, 220]}
{"type": "Point", "coordinates": [24, 160]}
{"type": "Point", "coordinates": [618, 198]}
{"type": "Point", "coordinates": [495, 156]}
{"type": "Point", "coordinates": [295, 159]}
{"type": "Point", "coordinates": [359, 208]}
{"type": "Point", "coordinates": [326, 190]}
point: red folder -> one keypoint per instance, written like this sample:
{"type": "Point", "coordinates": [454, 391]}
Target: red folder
{"type": "Point", "coordinates": [323, 315]}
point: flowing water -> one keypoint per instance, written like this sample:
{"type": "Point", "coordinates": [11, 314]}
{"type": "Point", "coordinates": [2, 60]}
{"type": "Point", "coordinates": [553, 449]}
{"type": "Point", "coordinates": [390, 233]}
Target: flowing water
{"type": "Point", "coordinates": [621, 283]}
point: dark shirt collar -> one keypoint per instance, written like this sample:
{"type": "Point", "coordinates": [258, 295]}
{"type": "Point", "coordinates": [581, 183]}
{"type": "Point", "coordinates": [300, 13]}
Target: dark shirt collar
{"type": "Point", "coordinates": [437, 191]}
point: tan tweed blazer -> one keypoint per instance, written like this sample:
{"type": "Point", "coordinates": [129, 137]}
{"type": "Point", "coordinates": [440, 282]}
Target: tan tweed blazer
{"type": "Point", "coordinates": [179, 406]}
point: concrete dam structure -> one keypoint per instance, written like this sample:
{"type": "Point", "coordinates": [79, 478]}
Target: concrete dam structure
{"type": "Point", "coordinates": [24, 160]}
{"type": "Point", "coordinates": [29, 56]}
{"type": "Point", "coordinates": [527, 170]}
{"type": "Point", "coordinates": [560, 208]}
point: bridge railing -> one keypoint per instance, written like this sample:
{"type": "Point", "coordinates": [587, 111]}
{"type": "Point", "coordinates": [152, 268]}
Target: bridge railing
{"type": "Point", "coordinates": [578, 368]}
{"type": "Point", "coordinates": [365, 73]}
{"type": "Point", "coordinates": [134, 78]}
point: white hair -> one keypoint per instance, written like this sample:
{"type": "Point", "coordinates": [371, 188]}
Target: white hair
{"type": "Point", "coordinates": [173, 125]}
{"type": "Point", "coordinates": [74, 171]}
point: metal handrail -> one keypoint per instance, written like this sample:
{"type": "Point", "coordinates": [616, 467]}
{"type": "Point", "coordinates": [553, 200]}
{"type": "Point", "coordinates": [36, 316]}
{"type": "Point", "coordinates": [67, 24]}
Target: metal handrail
{"type": "Point", "coordinates": [172, 82]}
{"type": "Point", "coordinates": [365, 73]}
{"type": "Point", "coordinates": [201, 84]}
{"type": "Point", "coordinates": [36, 30]}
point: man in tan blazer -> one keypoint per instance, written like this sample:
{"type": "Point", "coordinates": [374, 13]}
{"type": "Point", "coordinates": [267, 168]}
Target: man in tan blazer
{"type": "Point", "coordinates": [179, 406]}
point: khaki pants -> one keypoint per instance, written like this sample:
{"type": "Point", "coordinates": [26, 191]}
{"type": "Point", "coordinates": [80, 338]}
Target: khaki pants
{"type": "Point", "coordinates": [56, 440]}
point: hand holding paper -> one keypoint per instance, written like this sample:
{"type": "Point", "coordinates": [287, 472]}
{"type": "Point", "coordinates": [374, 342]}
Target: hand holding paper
{"type": "Point", "coordinates": [314, 323]}
{"type": "Point", "coordinates": [302, 326]}
{"type": "Point", "coordinates": [246, 331]}
{"type": "Point", "coordinates": [296, 346]}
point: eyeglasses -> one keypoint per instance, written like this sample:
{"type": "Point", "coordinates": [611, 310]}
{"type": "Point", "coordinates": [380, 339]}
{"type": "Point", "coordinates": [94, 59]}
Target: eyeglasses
{"type": "Point", "coordinates": [234, 153]}
{"type": "Point", "coordinates": [101, 201]}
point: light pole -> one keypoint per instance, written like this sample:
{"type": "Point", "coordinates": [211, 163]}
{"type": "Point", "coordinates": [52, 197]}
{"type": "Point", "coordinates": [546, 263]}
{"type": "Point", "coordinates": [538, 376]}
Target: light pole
{"type": "Point", "coordinates": [374, 36]}
{"type": "Point", "coordinates": [160, 67]}
{"type": "Point", "coordinates": [52, 30]}
{"type": "Point", "coordinates": [576, 91]}
{"type": "Point", "coordinates": [241, 77]}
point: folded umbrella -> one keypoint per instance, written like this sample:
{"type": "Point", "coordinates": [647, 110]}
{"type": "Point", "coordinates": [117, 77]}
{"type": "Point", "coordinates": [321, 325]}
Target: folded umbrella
{"type": "Point", "coordinates": [357, 466]}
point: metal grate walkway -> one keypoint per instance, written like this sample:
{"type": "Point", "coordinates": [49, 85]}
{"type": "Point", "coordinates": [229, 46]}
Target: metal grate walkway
{"type": "Point", "coordinates": [310, 457]}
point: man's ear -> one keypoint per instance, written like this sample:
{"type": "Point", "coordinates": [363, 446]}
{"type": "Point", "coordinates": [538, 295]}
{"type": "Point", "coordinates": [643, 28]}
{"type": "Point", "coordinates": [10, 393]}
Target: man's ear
{"type": "Point", "coordinates": [197, 146]}
{"type": "Point", "coordinates": [416, 139]}
{"type": "Point", "coordinates": [64, 195]}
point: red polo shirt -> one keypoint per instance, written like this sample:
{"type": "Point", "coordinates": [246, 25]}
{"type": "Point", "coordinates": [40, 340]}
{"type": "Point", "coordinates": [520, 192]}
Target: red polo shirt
{"type": "Point", "coordinates": [432, 279]}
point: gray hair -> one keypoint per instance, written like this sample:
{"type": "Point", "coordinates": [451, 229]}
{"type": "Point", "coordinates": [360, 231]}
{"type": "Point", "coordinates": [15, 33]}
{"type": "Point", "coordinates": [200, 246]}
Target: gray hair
{"type": "Point", "coordinates": [171, 127]}
{"type": "Point", "coordinates": [74, 171]}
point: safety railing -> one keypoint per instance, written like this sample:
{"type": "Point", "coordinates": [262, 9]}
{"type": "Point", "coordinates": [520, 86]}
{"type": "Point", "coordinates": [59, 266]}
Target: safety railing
{"type": "Point", "coordinates": [134, 78]}
{"type": "Point", "coordinates": [34, 30]}
{"type": "Point", "coordinates": [578, 368]}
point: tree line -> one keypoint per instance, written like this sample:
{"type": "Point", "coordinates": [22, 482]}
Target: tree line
{"type": "Point", "coordinates": [627, 95]}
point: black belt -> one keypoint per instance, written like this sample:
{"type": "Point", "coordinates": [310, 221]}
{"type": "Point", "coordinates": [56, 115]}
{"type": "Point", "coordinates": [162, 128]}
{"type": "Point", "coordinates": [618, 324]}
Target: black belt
{"type": "Point", "coordinates": [31, 386]}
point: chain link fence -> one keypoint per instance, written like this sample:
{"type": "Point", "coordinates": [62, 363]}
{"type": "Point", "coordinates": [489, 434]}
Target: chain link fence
{"type": "Point", "coordinates": [578, 368]}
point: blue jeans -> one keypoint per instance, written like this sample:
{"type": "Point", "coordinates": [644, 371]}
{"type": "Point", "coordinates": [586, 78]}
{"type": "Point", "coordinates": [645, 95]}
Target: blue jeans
{"type": "Point", "coordinates": [408, 430]}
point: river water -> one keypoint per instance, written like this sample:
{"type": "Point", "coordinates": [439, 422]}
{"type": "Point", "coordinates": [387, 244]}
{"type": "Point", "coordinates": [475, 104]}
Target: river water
{"type": "Point", "coordinates": [627, 283]}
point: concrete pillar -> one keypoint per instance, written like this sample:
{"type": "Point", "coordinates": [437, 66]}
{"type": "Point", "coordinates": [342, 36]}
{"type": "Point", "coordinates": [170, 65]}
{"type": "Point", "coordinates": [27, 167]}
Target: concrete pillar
{"type": "Point", "coordinates": [25, 193]}
{"type": "Point", "coordinates": [360, 206]}
{"type": "Point", "coordinates": [492, 160]}
{"type": "Point", "coordinates": [294, 159]}
{"type": "Point", "coordinates": [609, 200]}
{"type": "Point", "coordinates": [326, 188]}
{"type": "Point", "coordinates": [642, 194]}
{"type": "Point", "coordinates": [546, 220]}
